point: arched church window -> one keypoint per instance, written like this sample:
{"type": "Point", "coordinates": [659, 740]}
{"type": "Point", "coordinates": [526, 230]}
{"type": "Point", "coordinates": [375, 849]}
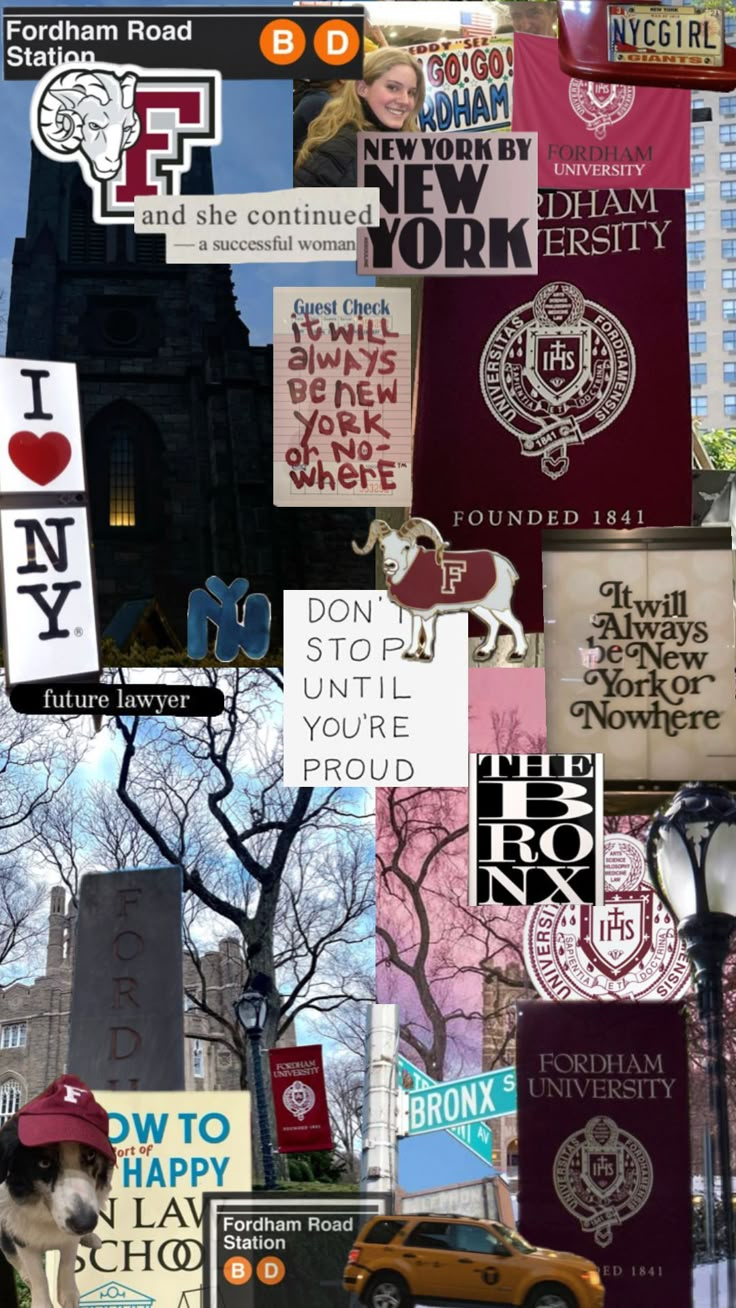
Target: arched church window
{"type": "Point", "coordinates": [122, 481]}
{"type": "Point", "coordinates": [10, 1097]}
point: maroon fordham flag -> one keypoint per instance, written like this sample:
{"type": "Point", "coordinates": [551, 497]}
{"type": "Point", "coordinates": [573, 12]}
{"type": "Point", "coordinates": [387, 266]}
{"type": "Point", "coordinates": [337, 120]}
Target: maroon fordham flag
{"type": "Point", "coordinates": [300, 1099]}
{"type": "Point", "coordinates": [604, 1157]}
{"type": "Point", "coordinates": [553, 401]}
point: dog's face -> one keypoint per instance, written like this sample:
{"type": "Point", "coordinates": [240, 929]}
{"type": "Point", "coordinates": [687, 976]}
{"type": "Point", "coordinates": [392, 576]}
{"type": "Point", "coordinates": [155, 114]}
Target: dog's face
{"type": "Point", "coordinates": [71, 1180]}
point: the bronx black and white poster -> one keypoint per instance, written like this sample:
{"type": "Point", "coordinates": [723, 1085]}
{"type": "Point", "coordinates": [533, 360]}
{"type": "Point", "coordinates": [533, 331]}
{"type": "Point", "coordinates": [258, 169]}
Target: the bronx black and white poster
{"type": "Point", "coordinates": [536, 829]}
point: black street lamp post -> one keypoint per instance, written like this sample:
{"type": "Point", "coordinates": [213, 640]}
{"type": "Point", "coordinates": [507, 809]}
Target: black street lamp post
{"type": "Point", "coordinates": [251, 1010]}
{"type": "Point", "coordinates": [692, 864]}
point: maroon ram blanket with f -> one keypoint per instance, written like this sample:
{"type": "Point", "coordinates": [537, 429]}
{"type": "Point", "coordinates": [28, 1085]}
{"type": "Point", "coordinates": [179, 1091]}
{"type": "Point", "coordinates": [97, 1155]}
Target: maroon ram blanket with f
{"type": "Point", "coordinates": [459, 581]}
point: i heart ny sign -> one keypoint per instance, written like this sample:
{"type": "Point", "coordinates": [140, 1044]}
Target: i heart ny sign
{"type": "Point", "coordinates": [49, 613]}
{"type": "Point", "coordinates": [41, 444]}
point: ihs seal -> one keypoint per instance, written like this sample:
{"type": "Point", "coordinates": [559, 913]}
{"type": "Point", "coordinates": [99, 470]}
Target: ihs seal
{"type": "Point", "coordinates": [626, 948]}
{"type": "Point", "coordinates": [299, 1099]}
{"type": "Point", "coordinates": [557, 371]}
{"type": "Point", "coordinates": [603, 1176]}
{"type": "Point", "coordinates": [599, 105]}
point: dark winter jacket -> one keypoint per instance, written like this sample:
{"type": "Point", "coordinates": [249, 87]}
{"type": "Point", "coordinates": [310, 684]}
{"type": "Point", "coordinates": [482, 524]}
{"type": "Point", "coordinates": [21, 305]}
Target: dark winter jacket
{"type": "Point", "coordinates": [310, 104]}
{"type": "Point", "coordinates": [333, 164]}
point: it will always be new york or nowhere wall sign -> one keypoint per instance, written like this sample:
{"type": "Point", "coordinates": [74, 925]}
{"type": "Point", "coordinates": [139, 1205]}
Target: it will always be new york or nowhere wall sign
{"type": "Point", "coordinates": [639, 651]}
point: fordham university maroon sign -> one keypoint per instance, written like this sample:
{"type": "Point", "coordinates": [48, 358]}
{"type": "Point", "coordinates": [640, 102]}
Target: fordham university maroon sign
{"type": "Point", "coordinates": [300, 1099]}
{"type": "Point", "coordinates": [593, 134]}
{"type": "Point", "coordinates": [571, 405]}
{"type": "Point", "coordinates": [604, 1167]}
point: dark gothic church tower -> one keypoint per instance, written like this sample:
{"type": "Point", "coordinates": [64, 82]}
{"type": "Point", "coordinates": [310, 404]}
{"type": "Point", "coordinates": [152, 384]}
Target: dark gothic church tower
{"type": "Point", "coordinates": [176, 406]}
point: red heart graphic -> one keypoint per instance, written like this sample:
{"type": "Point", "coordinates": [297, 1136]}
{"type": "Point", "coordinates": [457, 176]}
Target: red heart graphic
{"type": "Point", "coordinates": [40, 458]}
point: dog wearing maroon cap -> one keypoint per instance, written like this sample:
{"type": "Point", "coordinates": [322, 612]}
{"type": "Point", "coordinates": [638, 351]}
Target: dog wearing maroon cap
{"type": "Point", "coordinates": [56, 1165]}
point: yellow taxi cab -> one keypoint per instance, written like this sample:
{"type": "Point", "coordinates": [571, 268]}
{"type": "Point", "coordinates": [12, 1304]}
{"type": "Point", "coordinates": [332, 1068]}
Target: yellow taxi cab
{"type": "Point", "coordinates": [403, 1261]}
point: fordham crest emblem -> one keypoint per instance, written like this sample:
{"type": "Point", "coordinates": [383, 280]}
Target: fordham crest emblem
{"type": "Point", "coordinates": [603, 1176]}
{"type": "Point", "coordinates": [626, 948]}
{"type": "Point", "coordinates": [299, 1099]}
{"type": "Point", "coordinates": [556, 371]}
{"type": "Point", "coordinates": [599, 105]}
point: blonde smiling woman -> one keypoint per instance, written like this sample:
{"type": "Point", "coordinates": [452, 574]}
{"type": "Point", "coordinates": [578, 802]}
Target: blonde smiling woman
{"type": "Point", "coordinates": [386, 99]}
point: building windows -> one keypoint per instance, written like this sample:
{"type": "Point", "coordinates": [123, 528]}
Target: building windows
{"type": "Point", "coordinates": [728, 279]}
{"type": "Point", "coordinates": [726, 104]}
{"type": "Point", "coordinates": [729, 406]}
{"type": "Point", "coordinates": [728, 219]}
{"type": "Point", "coordinates": [698, 374]}
{"type": "Point", "coordinates": [696, 250]}
{"type": "Point", "coordinates": [728, 161]}
{"type": "Point", "coordinates": [10, 1097]}
{"type": "Point", "coordinates": [727, 133]}
{"type": "Point", "coordinates": [697, 164]}
{"type": "Point", "coordinates": [729, 374]}
{"type": "Point", "coordinates": [728, 190]}
{"type": "Point", "coordinates": [198, 1060]}
{"type": "Point", "coordinates": [697, 136]}
{"type": "Point", "coordinates": [13, 1035]}
{"type": "Point", "coordinates": [696, 222]}
{"type": "Point", "coordinates": [696, 193]}
{"type": "Point", "coordinates": [729, 342]}
{"type": "Point", "coordinates": [699, 406]}
{"type": "Point", "coordinates": [729, 310]}
{"type": "Point", "coordinates": [728, 249]}
{"type": "Point", "coordinates": [698, 343]}
{"type": "Point", "coordinates": [696, 311]}
{"type": "Point", "coordinates": [696, 281]}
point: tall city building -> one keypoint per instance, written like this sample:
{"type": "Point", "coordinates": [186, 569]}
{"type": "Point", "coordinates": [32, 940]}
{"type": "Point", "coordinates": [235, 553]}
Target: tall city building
{"type": "Point", "coordinates": [711, 253]}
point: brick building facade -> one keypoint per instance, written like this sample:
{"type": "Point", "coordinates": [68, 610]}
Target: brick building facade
{"type": "Point", "coordinates": [34, 1017]}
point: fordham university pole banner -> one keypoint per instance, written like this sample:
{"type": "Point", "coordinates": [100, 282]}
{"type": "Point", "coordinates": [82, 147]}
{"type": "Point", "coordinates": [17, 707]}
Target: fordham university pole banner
{"type": "Point", "coordinates": [551, 402]}
{"type": "Point", "coordinates": [604, 1167]}
{"type": "Point", "coordinates": [594, 134]}
{"type": "Point", "coordinates": [300, 1099]}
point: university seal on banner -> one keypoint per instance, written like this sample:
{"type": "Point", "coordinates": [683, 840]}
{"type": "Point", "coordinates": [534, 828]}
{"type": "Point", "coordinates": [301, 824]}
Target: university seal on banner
{"type": "Point", "coordinates": [556, 371]}
{"type": "Point", "coordinates": [299, 1099]}
{"type": "Point", "coordinates": [603, 1176]}
{"type": "Point", "coordinates": [599, 105]}
{"type": "Point", "coordinates": [627, 948]}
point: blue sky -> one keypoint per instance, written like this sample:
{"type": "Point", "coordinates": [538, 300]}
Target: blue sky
{"type": "Point", "coordinates": [255, 155]}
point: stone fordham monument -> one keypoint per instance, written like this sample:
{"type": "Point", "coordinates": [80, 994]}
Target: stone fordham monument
{"type": "Point", "coordinates": [127, 1009]}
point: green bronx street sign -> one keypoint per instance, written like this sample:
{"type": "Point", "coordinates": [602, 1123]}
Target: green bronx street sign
{"type": "Point", "coordinates": [447, 1105]}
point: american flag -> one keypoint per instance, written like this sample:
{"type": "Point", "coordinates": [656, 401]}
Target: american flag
{"type": "Point", "coordinates": [478, 22]}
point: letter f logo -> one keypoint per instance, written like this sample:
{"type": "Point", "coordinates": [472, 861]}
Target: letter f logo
{"type": "Point", "coordinates": [452, 575]}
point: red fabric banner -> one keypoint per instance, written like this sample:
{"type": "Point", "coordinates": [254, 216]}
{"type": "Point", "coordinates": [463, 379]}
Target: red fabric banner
{"type": "Point", "coordinates": [300, 1099]}
{"type": "Point", "coordinates": [604, 1159]}
{"type": "Point", "coordinates": [550, 401]}
{"type": "Point", "coordinates": [596, 134]}
{"type": "Point", "coordinates": [461, 579]}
